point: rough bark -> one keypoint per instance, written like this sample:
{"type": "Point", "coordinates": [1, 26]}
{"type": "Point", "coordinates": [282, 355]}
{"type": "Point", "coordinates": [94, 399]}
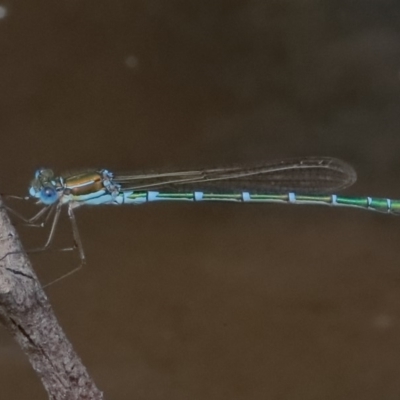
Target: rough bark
{"type": "Point", "coordinates": [26, 313]}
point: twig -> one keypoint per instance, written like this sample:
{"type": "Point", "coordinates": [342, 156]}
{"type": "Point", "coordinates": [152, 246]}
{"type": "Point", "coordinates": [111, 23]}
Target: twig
{"type": "Point", "coordinates": [26, 313]}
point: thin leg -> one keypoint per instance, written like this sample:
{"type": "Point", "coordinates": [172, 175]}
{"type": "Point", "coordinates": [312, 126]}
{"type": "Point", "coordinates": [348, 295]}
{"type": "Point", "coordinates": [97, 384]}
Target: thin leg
{"type": "Point", "coordinates": [58, 208]}
{"type": "Point", "coordinates": [11, 196]}
{"type": "Point", "coordinates": [30, 221]}
{"type": "Point", "coordinates": [52, 230]}
{"type": "Point", "coordinates": [75, 232]}
{"type": "Point", "coordinates": [57, 211]}
{"type": "Point", "coordinates": [78, 245]}
{"type": "Point", "coordinates": [49, 210]}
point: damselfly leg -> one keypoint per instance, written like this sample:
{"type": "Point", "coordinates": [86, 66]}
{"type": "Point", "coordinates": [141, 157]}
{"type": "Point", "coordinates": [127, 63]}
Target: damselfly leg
{"type": "Point", "coordinates": [77, 245]}
{"type": "Point", "coordinates": [32, 222]}
{"type": "Point", "coordinates": [45, 214]}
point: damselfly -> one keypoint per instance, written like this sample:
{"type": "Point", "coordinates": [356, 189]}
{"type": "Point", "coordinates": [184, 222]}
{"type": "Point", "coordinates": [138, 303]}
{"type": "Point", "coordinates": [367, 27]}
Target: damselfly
{"type": "Point", "coordinates": [311, 180]}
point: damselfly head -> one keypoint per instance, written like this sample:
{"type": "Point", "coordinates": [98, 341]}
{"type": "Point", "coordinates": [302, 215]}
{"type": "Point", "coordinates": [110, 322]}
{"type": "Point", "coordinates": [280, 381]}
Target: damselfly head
{"type": "Point", "coordinates": [44, 186]}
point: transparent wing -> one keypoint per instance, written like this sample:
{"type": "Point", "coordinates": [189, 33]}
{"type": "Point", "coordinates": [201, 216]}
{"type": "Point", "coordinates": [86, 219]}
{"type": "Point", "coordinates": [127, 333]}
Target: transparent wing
{"type": "Point", "coordinates": [307, 175]}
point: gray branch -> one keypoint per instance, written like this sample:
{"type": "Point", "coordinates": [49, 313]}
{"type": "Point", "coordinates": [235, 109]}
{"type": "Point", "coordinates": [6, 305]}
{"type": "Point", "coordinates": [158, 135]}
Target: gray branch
{"type": "Point", "coordinates": [26, 313]}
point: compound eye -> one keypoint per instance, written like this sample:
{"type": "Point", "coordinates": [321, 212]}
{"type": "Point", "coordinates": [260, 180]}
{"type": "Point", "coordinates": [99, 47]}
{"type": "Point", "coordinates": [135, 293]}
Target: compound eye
{"type": "Point", "coordinates": [48, 195]}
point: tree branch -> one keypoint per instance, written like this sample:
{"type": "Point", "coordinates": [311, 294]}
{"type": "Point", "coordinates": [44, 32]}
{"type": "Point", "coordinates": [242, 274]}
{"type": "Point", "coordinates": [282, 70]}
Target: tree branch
{"type": "Point", "coordinates": [26, 313]}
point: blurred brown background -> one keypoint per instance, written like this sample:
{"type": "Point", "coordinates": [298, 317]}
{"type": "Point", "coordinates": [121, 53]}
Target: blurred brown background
{"type": "Point", "coordinates": [212, 301]}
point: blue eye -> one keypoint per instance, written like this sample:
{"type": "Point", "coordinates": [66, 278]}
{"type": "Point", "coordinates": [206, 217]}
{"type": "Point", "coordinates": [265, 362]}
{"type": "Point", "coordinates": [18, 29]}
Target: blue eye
{"type": "Point", "coordinates": [48, 195]}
